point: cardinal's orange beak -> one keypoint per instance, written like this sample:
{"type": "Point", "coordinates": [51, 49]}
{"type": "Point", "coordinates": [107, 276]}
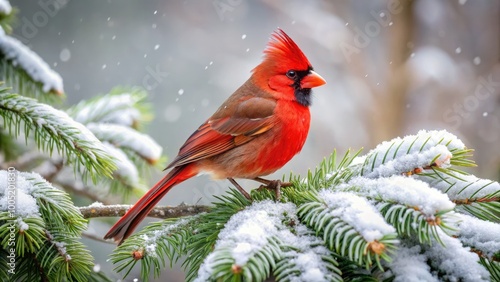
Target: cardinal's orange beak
{"type": "Point", "coordinates": [312, 80]}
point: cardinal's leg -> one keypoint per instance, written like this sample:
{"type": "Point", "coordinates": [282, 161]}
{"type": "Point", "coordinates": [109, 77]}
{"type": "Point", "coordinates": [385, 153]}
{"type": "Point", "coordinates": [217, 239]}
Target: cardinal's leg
{"type": "Point", "coordinates": [239, 188]}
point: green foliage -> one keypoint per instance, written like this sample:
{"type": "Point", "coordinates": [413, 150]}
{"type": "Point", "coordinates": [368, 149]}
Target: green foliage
{"type": "Point", "coordinates": [15, 76]}
{"type": "Point", "coordinates": [493, 268]}
{"type": "Point", "coordinates": [7, 20]}
{"type": "Point", "coordinates": [124, 106]}
{"type": "Point", "coordinates": [47, 242]}
{"type": "Point", "coordinates": [336, 233]}
{"type": "Point", "coordinates": [350, 256]}
{"type": "Point", "coordinates": [53, 129]}
{"type": "Point", "coordinates": [115, 119]}
{"type": "Point", "coordinates": [8, 146]}
{"type": "Point", "coordinates": [469, 192]}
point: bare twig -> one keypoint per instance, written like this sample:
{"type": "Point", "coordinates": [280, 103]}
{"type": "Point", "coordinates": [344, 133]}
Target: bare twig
{"type": "Point", "coordinates": [58, 166]}
{"type": "Point", "coordinates": [97, 238]}
{"type": "Point", "coordinates": [158, 212]}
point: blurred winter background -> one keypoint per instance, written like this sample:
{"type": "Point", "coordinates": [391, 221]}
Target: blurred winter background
{"type": "Point", "coordinates": [393, 67]}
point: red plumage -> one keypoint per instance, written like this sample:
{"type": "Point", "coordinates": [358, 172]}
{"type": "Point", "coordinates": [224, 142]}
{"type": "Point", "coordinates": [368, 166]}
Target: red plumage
{"type": "Point", "coordinates": [256, 131]}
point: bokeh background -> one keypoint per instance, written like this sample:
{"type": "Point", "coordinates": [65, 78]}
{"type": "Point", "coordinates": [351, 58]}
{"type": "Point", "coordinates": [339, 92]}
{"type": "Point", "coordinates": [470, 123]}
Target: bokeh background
{"type": "Point", "coordinates": [393, 68]}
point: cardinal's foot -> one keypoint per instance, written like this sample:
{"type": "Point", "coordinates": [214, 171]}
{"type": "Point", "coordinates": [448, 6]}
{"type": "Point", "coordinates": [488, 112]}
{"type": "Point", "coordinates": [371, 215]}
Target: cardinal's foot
{"type": "Point", "coordinates": [273, 185]}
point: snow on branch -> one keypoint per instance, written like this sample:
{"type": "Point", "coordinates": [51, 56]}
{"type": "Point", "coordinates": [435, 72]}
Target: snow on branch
{"type": "Point", "coordinates": [248, 233]}
{"type": "Point", "coordinates": [126, 171]}
{"type": "Point", "coordinates": [306, 258]}
{"type": "Point", "coordinates": [342, 224]}
{"type": "Point", "coordinates": [5, 7]}
{"type": "Point", "coordinates": [410, 205]}
{"type": "Point", "coordinates": [461, 187]}
{"type": "Point", "coordinates": [402, 190]}
{"type": "Point", "coordinates": [413, 152]}
{"type": "Point", "coordinates": [483, 236]}
{"type": "Point", "coordinates": [127, 138]}
{"type": "Point", "coordinates": [25, 203]}
{"type": "Point", "coordinates": [472, 195]}
{"type": "Point", "coordinates": [409, 265]}
{"type": "Point", "coordinates": [358, 213]}
{"type": "Point", "coordinates": [54, 128]}
{"type": "Point", "coordinates": [123, 108]}
{"type": "Point", "coordinates": [455, 261]}
{"type": "Point", "coordinates": [339, 215]}
{"type": "Point", "coordinates": [14, 55]}
{"type": "Point", "coordinates": [262, 232]}
{"type": "Point", "coordinates": [48, 227]}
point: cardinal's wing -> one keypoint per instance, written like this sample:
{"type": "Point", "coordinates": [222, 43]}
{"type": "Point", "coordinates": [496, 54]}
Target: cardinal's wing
{"type": "Point", "coordinates": [228, 130]}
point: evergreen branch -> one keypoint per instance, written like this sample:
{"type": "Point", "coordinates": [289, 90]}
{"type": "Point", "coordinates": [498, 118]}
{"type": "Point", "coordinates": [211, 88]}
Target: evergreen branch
{"type": "Point", "coordinates": [4, 265]}
{"type": "Point", "coordinates": [55, 206]}
{"type": "Point", "coordinates": [453, 261]}
{"type": "Point", "coordinates": [479, 197]}
{"type": "Point", "coordinates": [340, 219]}
{"type": "Point", "coordinates": [331, 171]}
{"type": "Point", "coordinates": [409, 264]}
{"type": "Point", "coordinates": [121, 106]}
{"type": "Point", "coordinates": [489, 211]}
{"type": "Point", "coordinates": [30, 269]}
{"type": "Point", "coordinates": [312, 259]}
{"type": "Point", "coordinates": [126, 172]}
{"type": "Point", "coordinates": [27, 72]}
{"type": "Point", "coordinates": [48, 227]}
{"type": "Point", "coordinates": [410, 221]}
{"type": "Point", "coordinates": [128, 139]}
{"type": "Point", "coordinates": [10, 149]}
{"type": "Point", "coordinates": [53, 128]}
{"type": "Point", "coordinates": [258, 239]}
{"type": "Point", "coordinates": [166, 212]}
{"type": "Point", "coordinates": [7, 17]}
{"type": "Point", "coordinates": [221, 265]}
{"type": "Point", "coordinates": [64, 257]}
{"type": "Point", "coordinates": [151, 245]}
{"type": "Point", "coordinates": [404, 203]}
{"type": "Point", "coordinates": [202, 242]}
{"type": "Point", "coordinates": [352, 272]}
{"type": "Point", "coordinates": [477, 200]}
{"type": "Point", "coordinates": [426, 149]}
{"type": "Point", "coordinates": [175, 237]}
{"type": "Point", "coordinates": [28, 231]}
{"type": "Point", "coordinates": [493, 268]}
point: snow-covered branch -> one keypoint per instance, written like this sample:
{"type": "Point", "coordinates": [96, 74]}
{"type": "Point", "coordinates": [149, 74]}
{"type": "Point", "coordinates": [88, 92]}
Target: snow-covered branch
{"type": "Point", "coordinates": [17, 56]}
{"type": "Point", "coordinates": [118, 107]}
{"type": "Point", "coordinates": [54, 128]}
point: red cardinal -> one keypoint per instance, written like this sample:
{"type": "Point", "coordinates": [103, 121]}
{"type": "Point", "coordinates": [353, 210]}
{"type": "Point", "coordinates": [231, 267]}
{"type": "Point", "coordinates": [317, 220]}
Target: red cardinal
{"type": "Point", "coordinates": [256, 131]}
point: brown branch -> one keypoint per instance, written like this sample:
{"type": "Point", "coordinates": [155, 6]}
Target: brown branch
{"type": "Point", "coordinates": [158, 212]}
{"type": "Point", "coordinates": [58, 166]}
{"type": "Point", "coordinates": [480, 253]}
{"type": "Point", "coordinates": [97, 238]}
{"type": "Point", "coordinates": [478, 200]}
{"type": "Point", "coordinates": [58, 246]}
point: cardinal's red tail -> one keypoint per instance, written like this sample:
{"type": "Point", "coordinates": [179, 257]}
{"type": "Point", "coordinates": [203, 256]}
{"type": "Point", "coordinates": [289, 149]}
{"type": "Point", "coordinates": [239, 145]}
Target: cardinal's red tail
{"type": "Point", "coordinates": [126, 225]}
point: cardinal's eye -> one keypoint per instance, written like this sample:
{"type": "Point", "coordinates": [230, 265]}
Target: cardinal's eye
{"type": "Point", "coordinates": [291, 74]}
